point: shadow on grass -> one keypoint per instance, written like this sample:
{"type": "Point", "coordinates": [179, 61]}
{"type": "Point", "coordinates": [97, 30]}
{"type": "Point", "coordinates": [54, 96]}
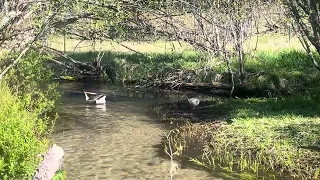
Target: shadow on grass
{"type": "Point", "coordinates": [303, 135]}
{"type": "Point", "coordinates": [240, 108]}
{"type": "Point", "coordinates": [180, 111]}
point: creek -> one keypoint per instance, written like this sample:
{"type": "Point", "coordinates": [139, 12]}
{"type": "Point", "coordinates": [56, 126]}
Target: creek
{"type": "Point", "coordinates": [120, 140]}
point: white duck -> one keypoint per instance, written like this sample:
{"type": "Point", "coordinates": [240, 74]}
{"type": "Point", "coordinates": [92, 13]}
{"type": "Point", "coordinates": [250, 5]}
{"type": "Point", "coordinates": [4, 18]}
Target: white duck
{"type": "Point", "coordinates": [193, 102]}
{"type": "Point", "coordinates": [97, 99]}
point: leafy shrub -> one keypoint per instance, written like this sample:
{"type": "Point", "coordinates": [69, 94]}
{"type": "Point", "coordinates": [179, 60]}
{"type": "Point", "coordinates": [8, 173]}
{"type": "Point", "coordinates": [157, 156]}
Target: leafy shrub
{"type": "Point", "coordinates": [20, 141]}
{"type": "Point", "coordinates": [31, 81]}
{"type": "Point", "coordinates": [26, 95]}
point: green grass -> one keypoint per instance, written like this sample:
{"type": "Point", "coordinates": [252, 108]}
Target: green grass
{"type": "Point", "coordinates": [282, 135]}
{"type": "Point", "coordinates": [263, 137]}
{"type": "Point", "coordinates": [288, 71]}
{"type": "Point", "coordinates": [131, 67]}
{"type": "Point", "coordinates": [159, 46]}
{"type": "Point", "coordinates": [60, 175]}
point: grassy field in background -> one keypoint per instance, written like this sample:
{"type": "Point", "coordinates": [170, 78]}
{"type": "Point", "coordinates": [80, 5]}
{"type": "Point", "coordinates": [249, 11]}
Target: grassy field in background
{"type": "Point", "coordinates": [266, 42]}
{"type": "Point", "coordinates": [159, 46]}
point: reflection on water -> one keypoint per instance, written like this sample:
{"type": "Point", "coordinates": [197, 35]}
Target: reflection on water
{"type": "Point", "coordinates": [119, 140]}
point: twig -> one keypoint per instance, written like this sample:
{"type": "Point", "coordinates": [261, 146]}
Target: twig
{"type": "Point", "coordinates": [43, 28]}
{"type": "Point", "coordinates": [64, 55]}
{"type": "Point", "coordinates": [170, 154]}
{"type": "Point", "coordinates": [77, 45]}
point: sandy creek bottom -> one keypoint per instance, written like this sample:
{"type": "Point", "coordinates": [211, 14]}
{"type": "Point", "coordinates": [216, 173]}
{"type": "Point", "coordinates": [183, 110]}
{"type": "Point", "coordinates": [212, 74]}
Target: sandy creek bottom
{"type": "Point", "coordinates": [119, 140]}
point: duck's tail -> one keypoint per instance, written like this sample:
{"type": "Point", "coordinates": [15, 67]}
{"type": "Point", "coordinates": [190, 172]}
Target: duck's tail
{"type": "Point", "coordinates": [85, 93]}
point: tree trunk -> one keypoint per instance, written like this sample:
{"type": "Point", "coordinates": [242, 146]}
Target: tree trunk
{"type": "Point", "coordinates": [51, 163]}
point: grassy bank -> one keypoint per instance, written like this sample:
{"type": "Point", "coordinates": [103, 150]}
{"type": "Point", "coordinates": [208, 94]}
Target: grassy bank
{"type": "Point", "coordinates": [287, 71]}
{"type": "Point", "coordinates": [253, 136]}
{"type": "Point", "coordinates": [27, 94]}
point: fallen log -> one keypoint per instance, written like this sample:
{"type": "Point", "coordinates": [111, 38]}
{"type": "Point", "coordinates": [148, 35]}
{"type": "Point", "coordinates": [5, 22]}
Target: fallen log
{"type": "Point", "coordinates": [50, 164]}
{"type": "Point", "coordinates": [219, 89]}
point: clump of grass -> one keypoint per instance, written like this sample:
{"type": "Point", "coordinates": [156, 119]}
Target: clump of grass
{"type": "Point", "coordinates": [60, 175]}
{"type": "Point", "coordinates": [265, 136]}
{"type": "Point", "coordinates": [289, 71]}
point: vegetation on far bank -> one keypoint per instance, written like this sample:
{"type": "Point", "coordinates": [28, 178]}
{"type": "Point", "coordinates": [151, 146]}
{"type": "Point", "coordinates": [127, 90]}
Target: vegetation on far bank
{"type": "Point", "coordinates": [287, 69]}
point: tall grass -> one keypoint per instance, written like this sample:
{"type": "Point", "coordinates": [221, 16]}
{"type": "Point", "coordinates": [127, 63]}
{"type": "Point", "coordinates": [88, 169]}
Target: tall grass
{"type": "Point", "coordinates": [136, 67]}
{"type": "Point", "coordinates": [289, 70]}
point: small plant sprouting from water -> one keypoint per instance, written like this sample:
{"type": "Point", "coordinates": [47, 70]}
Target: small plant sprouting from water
{"type": "Point", "coordinates": [169, 150]}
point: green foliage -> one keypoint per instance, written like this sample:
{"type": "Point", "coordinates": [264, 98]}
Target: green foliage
{"type": "Point", "coordinates": [264, 137]}
{"type": "Point", "coordinates": [60, 175]}
{"type": "Point", "coordinates": [31, 81]}
{"type": "Point", "coordinates": [136, 67]}
{"type": "Point", "coordinates": [20, 141]}
{"type": "Point", "coordinates": [270, 135]}
{"type": "Point", "coordinates": [287, 71]}
{"type": "Point", "coordinates": [26, 95]}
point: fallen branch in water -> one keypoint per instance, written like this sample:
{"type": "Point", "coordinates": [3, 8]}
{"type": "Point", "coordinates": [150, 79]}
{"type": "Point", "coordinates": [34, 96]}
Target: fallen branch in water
{"type": "Point", "coordinates": [219, 89]}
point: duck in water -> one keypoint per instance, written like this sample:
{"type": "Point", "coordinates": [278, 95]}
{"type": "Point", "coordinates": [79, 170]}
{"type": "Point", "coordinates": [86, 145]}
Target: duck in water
{"type": "Point", "coordinates": [96, 99]}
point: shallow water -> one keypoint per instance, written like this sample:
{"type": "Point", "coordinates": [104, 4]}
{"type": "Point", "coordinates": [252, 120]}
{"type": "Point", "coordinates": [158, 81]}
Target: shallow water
{"type": "Point", "coordinates": [119, 140]}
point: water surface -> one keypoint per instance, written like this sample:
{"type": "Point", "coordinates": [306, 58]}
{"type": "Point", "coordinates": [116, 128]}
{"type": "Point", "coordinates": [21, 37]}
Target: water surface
{"type": "Point", "coordinates": [119, 140]}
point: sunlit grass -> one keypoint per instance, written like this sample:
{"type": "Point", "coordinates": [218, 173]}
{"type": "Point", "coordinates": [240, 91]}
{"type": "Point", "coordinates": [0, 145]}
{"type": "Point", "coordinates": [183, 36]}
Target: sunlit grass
{"type": "Point", "coordinates": [159, 46]}
{"type": "Point", "coordinates": [266, 137]}
{"type": "Point", "coordinates": [266, 42]}
{"type": "Point", "coordinates": [273, 42]}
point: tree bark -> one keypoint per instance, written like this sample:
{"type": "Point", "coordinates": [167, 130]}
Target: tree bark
{"type": "Point", "coordinates": [50, 165]}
